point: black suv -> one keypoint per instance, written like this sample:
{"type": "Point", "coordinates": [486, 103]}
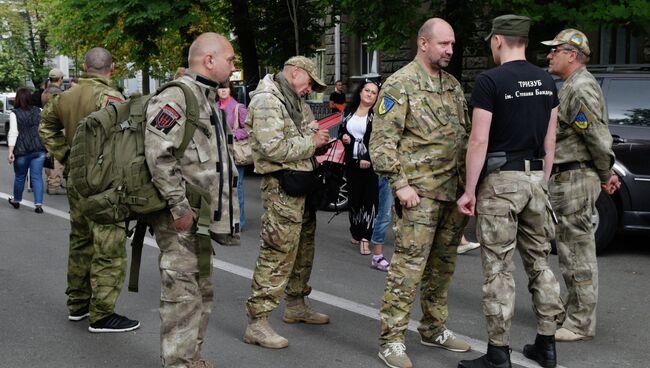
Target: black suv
{"type": "Point", "coordinates": [626, 91]}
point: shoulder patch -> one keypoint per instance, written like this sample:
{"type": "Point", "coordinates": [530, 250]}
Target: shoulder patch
{"type": "Point", "coordinates": [109, 100]}
{"type": "Point", "coordinates": [166, 119]}
{"type": "Point", "coordinates": [584, 117]}
{"type": "Point", "coordinates": [385, 105]}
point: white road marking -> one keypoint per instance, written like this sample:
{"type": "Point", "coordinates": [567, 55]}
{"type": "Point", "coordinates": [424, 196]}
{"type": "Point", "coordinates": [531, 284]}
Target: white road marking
{"type": "Point", "coordinates": [333, 300]}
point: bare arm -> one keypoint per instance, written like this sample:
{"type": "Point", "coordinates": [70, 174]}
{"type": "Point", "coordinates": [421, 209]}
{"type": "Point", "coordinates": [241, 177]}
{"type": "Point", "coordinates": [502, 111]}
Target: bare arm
{"type": "Point", "coordinates": [476, 152]}
{"type": "Point", "coordinates": [549, 144]}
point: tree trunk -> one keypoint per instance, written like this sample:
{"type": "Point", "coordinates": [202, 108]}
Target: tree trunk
{"type": "Point", "coordinates": [246, 38]}
{"type": "Point", "coordinates": [145, 80]}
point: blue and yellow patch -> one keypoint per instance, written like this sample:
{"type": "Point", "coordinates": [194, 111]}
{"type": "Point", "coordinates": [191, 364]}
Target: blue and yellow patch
{"type": "Point", "coordinates": [385, 105]}
{"type": "Point", "coordinates": [581, 120]}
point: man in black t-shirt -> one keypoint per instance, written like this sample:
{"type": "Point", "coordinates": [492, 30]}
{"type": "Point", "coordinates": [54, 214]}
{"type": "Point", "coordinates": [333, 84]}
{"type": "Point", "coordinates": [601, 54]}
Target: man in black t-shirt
{"type": "Point", "coordinates": [513, 136]}
{"type": "Point", "coordinates": [337, 98]}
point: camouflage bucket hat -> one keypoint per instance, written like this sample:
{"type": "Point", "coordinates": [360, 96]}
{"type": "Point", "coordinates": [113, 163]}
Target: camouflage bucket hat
{"type": "Point", "coordinates": [308, 66]}
{"type": "Point", "coordinates": [510, 25]}
{"type": "Point", "coordinates": [571, 37]}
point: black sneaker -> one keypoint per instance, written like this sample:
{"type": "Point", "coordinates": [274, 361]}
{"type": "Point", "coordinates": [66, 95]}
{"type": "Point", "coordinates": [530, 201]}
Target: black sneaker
{"type": "Point", "coordinates": [79, 315]}
{"type": "Point", "coordinates": [114, 323]}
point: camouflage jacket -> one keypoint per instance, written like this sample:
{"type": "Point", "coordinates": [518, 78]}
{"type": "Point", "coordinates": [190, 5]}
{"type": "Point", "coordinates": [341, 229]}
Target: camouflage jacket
{"type": "Point", "coordinates": [207, 161]}
{"type": "Point", "coordinates": [60, 117]}
{"type": "Point", "coordinates": [50, 92]}
{"type": "Point", "coordinates": [582, 132]}
{"type": "Point", "coordinates": [420, 133]}
{"type": "Point", "coordinates": [276, 141]}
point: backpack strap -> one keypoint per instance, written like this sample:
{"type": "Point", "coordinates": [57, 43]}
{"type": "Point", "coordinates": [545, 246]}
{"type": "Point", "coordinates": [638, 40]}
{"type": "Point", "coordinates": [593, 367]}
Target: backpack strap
{"type": "Point", "coordinates": [192, 112]}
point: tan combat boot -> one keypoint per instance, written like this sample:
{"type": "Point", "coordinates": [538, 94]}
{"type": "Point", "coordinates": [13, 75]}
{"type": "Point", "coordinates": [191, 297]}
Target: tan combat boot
{"type": "Point", "coordinates": [259, 332]}
{"type": "Point", "coordinates": [298, 311]}
{"type": "Point", "coordinates": [201, 363]}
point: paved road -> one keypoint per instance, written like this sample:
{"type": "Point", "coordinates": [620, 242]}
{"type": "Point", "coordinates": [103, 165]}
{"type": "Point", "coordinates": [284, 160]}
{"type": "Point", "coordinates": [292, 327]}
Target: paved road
{"type": "Point", "coordinates": [35, 332]}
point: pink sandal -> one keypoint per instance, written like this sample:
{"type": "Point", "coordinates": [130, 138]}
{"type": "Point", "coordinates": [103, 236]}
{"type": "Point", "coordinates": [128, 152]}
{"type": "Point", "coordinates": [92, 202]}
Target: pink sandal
{"type": "Point", "coordinates": [381, 264]}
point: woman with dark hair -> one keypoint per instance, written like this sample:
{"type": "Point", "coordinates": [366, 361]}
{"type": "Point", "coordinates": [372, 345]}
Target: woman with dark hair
{"type": "Point", "coordinates": [26, 151]}
{"type": "Point", "coordinates": [235, 116]}
{"type": "Point", "coordinates": [356, 126]}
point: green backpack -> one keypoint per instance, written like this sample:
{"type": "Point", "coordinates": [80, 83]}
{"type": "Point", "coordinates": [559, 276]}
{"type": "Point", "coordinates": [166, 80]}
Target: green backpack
{"type": "Point", "coordinates": [107, 165]}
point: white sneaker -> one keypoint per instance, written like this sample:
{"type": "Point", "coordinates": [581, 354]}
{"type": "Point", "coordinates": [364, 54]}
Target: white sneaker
{"type": "Point", "coordinates": [463, 248]}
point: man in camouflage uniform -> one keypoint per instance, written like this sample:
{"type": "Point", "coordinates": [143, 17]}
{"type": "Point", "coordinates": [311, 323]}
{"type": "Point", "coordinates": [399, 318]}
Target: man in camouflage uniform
{"type": "Point", "coordinates": [418, 142]}
{"type": "Point", "coordinates": [583, 165]}
{"type": "Point", "coordinates": [283, 140]}
{"type": "Point", "coordinates": [191, 185]}
{"type": "Point", "coordinates": [97, 259]}
{"type": "Point", "coordinates": [512, 142]}
{"type": "Point", "coordinates": [55, 175]}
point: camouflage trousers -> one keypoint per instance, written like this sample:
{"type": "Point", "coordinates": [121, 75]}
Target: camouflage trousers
{"type": "Point", "coordinates": [185, 298]}
{"type": "Point", "coordinates": [514, 212]}
{"type": "Point", "coordinates": [286, 252]}
{"type": "Point", "coordinates": [54, 176]}
{"type": "Point", "coordinates": [426, 238]}
{"type": "Point", "coordinates": [573, 196]}
{"type": "Point", "coordinates": [96, 263]}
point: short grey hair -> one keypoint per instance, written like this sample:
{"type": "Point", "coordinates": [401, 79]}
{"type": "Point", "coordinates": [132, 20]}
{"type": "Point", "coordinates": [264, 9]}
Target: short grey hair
{"type": "Point", "coordinates": [98, 60]}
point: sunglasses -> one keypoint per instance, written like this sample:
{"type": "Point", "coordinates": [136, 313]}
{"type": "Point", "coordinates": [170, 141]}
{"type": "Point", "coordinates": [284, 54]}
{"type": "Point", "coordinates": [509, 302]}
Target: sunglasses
{"type": "Point", "coordinates": [374, 81]}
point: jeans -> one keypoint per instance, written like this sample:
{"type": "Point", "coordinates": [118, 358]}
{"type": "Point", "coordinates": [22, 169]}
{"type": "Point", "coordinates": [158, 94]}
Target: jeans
{"type": "Point", "coordinates": [240, 195]}
{"type": "Point", "coordinates": [34, 163]}
{"type": "Point", "coordinates": [384, 216]}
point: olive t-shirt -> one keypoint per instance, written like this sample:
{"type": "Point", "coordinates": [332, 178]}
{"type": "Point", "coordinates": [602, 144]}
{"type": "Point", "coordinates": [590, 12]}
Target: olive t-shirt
{"type": "Point", "coordinates": [520, 96]}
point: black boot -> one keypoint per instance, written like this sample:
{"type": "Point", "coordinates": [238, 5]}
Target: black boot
{"type": "Point", "coordinates": [496, 357]}
{"type": "Point", "coordinates": [542, 351]}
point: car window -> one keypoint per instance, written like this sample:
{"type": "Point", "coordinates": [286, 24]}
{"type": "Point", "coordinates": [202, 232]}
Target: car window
{"type": "Point", "coordinates": [628, 103]}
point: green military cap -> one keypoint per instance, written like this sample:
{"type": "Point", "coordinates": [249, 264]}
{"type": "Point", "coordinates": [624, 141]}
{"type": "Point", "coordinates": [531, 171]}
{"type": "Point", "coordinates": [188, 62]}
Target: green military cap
{"type": "Point", "coordinates": [571, 37]}
{"type": "Point", "coordinates": [510, 25]}
{"type": "Point", "coordinates": [308, 65]}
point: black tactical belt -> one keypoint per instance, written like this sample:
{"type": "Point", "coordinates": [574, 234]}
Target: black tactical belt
{"type": "Point", "coordinates": [575, 165]}
{"type": "Point", "coordinates": [520, 165]}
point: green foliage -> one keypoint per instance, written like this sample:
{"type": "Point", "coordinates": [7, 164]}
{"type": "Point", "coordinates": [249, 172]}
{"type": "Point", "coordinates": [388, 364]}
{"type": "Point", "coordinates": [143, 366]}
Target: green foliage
{"type": "Point", "coordinates": [12, 71]}
{"type": "Point", "coordinates": [385, 24]}
{"type": "Point", "coordinates": [142, 35]}
{"type": "Point", "coordinates": [25, 37]}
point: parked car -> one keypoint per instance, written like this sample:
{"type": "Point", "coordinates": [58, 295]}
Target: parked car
{"type": "Point", "coordinates": [625, 88]}
{"type": "Point", "coordinates": [6, 105]}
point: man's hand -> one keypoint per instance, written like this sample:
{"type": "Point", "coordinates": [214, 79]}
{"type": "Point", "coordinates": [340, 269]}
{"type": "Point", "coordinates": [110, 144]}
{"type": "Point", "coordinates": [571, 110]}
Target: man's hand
{"type": "Point", "coordinates": [313, 125]}
{"type": "Point", "coordinates": [407, 196]}
{"type": "Point", "coordinates": [466, 204]}
{"type": "Point", "coordinates": [321, 138]}
{"type": "Point", "coordinates": [612, 184]}
{"type": "Point", "coordinates": [11, 158]}
{"type": "Point", "coordinates": [183, 223]}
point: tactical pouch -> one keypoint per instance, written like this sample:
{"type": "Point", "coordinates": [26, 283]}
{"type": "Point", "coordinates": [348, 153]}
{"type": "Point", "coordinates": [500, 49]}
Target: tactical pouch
{"type": "Point", "coordinates": [493, 162]}
{"type": "Point", "coordinates": [297, 183]}
{"type": "Point", "coordinates": [200, 199]}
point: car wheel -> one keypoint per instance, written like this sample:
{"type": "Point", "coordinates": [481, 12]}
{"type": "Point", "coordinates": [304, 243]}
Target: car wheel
{"type": "Point", "coordinates": [605, 221]}
{"type": "Point", "coordinates": [341, 203]}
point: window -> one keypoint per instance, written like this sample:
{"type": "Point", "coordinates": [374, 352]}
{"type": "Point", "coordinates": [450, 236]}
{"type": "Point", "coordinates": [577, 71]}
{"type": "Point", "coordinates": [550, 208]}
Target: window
{"type": "Point", "coordinates": [618, 45]}
{"type": "Point", "coordinates": [627, 102]}
{"type": "Point", "coordinates": [368, 59]}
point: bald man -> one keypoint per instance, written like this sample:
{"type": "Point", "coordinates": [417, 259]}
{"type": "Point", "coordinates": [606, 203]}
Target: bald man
{"type": "Point", "coordinates": [418, 141]}
{"type": "Point", "coordinates": [200, 182]}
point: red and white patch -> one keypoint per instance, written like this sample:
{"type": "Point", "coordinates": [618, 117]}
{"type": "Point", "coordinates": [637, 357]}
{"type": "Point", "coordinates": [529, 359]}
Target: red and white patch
{"type": "Point", "coordinates": [111, 100]}
{"type": "Point", "coordinates": [166, 119]}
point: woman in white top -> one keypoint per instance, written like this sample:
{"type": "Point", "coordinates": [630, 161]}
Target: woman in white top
{"type": "Point", "coordinates": [26, 151]}
{"type": "Point", "coordinates": [362, 181]}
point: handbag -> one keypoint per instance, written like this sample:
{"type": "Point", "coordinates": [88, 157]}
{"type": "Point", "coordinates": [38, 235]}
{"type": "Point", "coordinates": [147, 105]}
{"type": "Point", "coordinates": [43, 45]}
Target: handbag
{"type": "Point", "coordinates": [49, 161]}
{"type": "Point", "coordinates": [243, 152]}
{"type": "Point", "coordinates": [242, 149]}
{"type": "Point", "coordinates": [297, 183]}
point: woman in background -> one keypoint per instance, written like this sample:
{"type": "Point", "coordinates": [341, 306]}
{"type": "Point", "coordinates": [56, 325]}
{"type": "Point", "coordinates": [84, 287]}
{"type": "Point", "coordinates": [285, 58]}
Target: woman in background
{"type": "Point", "coordinates": [26, 151]}
{"type": "Point", "coordinates": [235, 116]}
{"type": "Point", "coordinates": [354, 132]}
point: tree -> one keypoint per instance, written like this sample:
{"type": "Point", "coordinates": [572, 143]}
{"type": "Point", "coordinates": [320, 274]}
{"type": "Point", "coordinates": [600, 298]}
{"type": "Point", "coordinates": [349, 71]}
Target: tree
{"type": "Point", "coordinates": [26, 37]}
{"type": "Point", "coordinates": [12, 71]}
{"type": "Point", "coordinates": [151, 36]}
